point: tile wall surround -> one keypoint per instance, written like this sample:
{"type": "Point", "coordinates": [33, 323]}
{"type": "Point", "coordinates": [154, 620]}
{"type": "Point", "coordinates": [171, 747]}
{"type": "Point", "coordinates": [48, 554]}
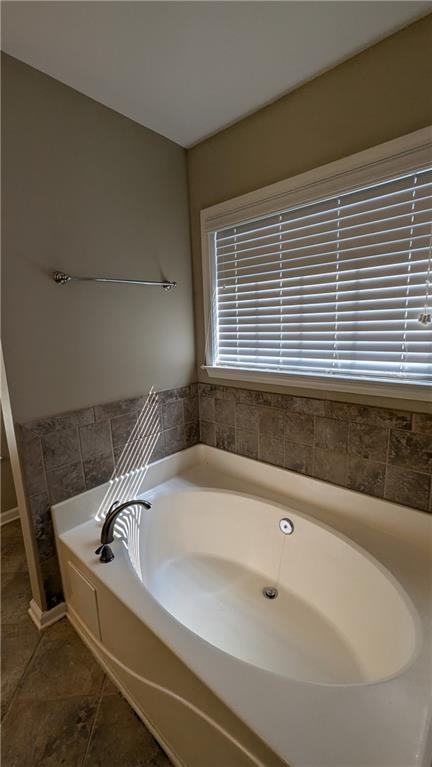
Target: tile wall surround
{"type": "Point", "coordinates": [63, 455]}
{"type": "Point", "coordinates": [381, 452]}
{"type": "Point", "coordinates": [373, 450]}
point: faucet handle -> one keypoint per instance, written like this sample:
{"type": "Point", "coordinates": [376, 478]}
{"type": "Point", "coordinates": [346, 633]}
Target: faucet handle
{"type": "Point", "coordinates": [106, 553]}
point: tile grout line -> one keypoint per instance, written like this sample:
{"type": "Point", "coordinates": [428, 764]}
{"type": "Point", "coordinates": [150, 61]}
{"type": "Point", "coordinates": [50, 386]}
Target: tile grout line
{"type": "Point", "coordinates": [387, 462]}
{"type": "Point", "coordinates": [110, 420]}
{"type": "Point", "coordinates": [45, 472]}
{"type": "Point", "coordinates": [81, 459]}
{"type": "Point", "coordinates": [93, 724]}
{"type": "Point", "coordinates": [314, 446]}
{"type": "Point", "coordinates": [24, 672]}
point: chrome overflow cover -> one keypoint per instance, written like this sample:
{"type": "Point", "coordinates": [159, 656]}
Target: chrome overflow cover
{"type": "Point", "coordinates": [270, 592]}
{"type": "Point", "coordinates": [286, 526]}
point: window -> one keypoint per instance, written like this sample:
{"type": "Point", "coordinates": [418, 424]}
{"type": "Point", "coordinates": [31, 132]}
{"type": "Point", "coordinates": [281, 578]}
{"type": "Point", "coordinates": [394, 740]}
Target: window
{"type": "Point", "coordinates": [334, 288]}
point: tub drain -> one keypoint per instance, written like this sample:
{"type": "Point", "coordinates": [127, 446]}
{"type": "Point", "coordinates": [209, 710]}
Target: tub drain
{"type": "Point", "coordinates": [270, 592]}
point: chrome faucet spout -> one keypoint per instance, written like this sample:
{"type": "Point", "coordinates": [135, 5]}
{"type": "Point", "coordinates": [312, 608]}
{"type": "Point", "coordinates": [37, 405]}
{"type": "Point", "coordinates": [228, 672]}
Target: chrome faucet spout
{"type": "Point", "coordinates": [107, 534]}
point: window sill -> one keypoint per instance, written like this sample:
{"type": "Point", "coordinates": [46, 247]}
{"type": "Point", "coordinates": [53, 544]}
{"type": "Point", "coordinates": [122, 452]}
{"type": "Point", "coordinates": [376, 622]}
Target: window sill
{"type": "Point", "coordinates": [399, 390]}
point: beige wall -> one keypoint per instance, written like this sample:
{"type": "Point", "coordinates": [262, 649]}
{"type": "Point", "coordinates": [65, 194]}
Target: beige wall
{"type": "Point", "coordinates": [88, 191]}
{"type": "Point", "coordinates": [382, 93]}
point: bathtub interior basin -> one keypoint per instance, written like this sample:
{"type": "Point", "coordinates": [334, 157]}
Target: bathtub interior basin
{"type": "Point", "coordinates": [338, 618]}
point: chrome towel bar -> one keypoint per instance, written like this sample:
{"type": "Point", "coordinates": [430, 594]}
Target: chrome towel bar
{"type": "Point", "coordinates": [61, 278]}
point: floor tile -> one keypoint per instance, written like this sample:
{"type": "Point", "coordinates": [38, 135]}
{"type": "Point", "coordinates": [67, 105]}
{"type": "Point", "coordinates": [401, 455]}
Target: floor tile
{"type": "Point", "coordinates": [47, 733]}
{"type": "Point", "coordinates": [19, 641]}
{"type": "Point", "coordinates": [11, 531]}
{"type": "Point", "coordinates": [61, 667]}
{"type": "Point", "coordinates": [52, 689]}
{"type": "Point", "coordinates": [160, 760]}
{"type": "Point", "coordinates": [118, 731]}
{"type": "Point", "coordinates": [15, 597]}
{"type": "Point", "coordinates": [13, 557]}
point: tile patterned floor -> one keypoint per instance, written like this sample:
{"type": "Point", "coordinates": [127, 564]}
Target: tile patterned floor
{"type": "Point", "coordinates": [58, 707]}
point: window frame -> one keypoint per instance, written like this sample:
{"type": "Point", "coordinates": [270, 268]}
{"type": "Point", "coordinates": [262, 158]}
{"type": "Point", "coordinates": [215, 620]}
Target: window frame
{"type": "Point", "coordinates": [404, 154]}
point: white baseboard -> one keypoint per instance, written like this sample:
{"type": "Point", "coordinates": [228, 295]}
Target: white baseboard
{"type": "Point", "coordinates": [9, 516]}
{"type": "Point", "coordinates": [44, 618]}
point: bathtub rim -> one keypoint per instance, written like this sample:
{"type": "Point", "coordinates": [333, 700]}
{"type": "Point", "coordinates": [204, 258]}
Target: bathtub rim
{"type": "Point", "coordinates": [380, 514]}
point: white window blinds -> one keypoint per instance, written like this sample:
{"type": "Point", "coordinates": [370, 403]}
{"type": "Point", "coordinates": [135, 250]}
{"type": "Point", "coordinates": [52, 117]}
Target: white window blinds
{"type": "Point", "coordinates": [335, 287]}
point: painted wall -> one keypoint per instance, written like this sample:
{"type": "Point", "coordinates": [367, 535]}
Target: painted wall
{"type": "Point", "coordinates": [376, 96]}
{"type": "Point", "coordinates": [87, 191]}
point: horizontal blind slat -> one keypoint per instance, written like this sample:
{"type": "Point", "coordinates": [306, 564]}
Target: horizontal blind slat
{"type": "Point", "coordinates": [398, 212]}
{"type": "Point", "coordinates": [303, 265]}
{"type": "Point", "coordinates": [401, 228]}
{"type": "Point", "coordinates": [323, 209]}
{"type": "Point", "coordinates": [390, 247]}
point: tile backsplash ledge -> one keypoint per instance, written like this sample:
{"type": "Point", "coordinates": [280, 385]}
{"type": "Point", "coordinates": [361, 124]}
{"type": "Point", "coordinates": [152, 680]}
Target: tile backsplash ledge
{"type": "Point", "coordinates": [377, 451]}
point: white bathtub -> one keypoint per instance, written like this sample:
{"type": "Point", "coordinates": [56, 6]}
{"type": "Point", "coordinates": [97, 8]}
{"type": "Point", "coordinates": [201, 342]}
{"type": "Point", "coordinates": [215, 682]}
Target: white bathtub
{"type": "Point", "coordinates": [333, 671]}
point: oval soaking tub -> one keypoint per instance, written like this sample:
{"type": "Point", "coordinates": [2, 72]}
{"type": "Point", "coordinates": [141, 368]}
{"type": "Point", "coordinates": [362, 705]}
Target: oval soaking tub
{"type": "Point", "coordinates": [333, 671]}
{"type": "Point", "coordinates": [337, 617]}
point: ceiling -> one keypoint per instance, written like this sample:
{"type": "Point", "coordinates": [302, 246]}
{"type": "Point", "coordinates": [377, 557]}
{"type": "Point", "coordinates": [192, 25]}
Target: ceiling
{"type": "Point", "coordinates": [188, 69]}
